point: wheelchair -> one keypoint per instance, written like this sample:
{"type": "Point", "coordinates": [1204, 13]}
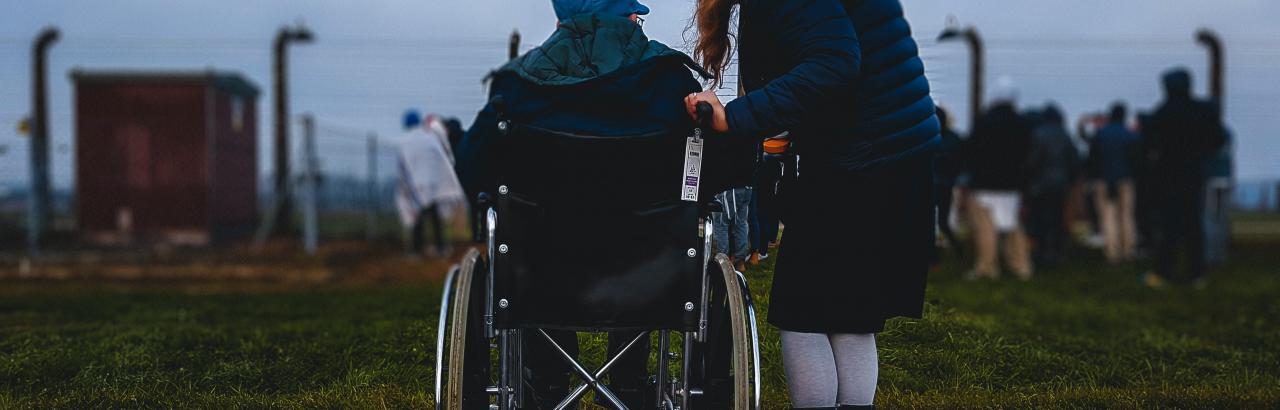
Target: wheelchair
{"type": "Point", "coordinates": [596, 240]}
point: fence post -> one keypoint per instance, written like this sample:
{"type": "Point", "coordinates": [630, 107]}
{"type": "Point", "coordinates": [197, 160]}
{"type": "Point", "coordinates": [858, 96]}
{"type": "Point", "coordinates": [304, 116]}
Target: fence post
{"type": "Point", "coordinates": [371, 211]}
{"type": "Point", "coordinates": [310, 224]}
{"type": "Point", "coordinates": [1217, 69]}
{"type": "Point", "coordinates": [283, 213]}
{"type": "Point", "coordinates": [39, 197]}
{"type": "Point", "coordinates": [514, 50]}
{"type": "Point", "coordinates": [977, 65]}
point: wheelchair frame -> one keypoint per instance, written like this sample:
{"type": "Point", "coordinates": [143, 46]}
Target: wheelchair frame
{"type": "Point", "coordinates": [671, 394]}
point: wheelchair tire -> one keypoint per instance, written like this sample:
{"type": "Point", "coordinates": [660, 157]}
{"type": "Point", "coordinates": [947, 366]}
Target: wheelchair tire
{"type": "Point", "coordinates": [442, 330]}
{"type": "Point", "coordinates": [459, 312]}
{"type": "Point", "coordinates": [740, 337]}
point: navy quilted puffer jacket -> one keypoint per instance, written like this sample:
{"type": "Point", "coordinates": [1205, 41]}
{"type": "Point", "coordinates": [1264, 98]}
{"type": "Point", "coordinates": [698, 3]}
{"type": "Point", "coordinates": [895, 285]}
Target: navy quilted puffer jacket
{"type": "Point", "coordinates": [844, 76]}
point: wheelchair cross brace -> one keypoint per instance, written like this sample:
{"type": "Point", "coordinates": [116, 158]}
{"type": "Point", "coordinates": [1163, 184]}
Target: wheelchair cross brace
{"type": "Point", "coordinates": [592, 380]}
{"type": "Point", "coordinates": [510, 388]}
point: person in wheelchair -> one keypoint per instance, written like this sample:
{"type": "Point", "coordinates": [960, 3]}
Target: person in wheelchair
{"type": "Point", "coordinates": [598, 75]}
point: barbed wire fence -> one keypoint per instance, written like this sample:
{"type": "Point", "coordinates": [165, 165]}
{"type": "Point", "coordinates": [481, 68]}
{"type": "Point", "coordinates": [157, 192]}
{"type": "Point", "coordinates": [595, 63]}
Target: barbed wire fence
{"type": "Point", "coordinates": [355, 202]}
{"type": "Point", "coordinates": [351, 83]}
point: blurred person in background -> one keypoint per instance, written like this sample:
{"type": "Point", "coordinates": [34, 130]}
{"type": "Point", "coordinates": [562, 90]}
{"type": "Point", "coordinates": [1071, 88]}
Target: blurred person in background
{"type": "Point", "coordinates": [1146, 204]}
{"type": "Point", "coordinates": [756, 242]}
{"type": "Point", "coordinates": [1087, 127]}
{"type": "Point", "coordinates": [453, 127]}
{"type": "Point", "coordinates": [428, 187]}
{"type": "Point", "coordinates": [1113, 153]}
{"type": "Point", "coordinates": [996, 160]}
{"type": "Point", "coordinates": [1217, 218]}
{"type": "Point", "coordinates": [1184, 134]}
{"type": "Point", "coordinates": [946, 170]}
{"type": "Point", "coordinates": [455, 132]}
{"type": "Point", "coordinates": [764, 195]}
{"type": "Point", "coordinates": [732, 227]}
{"type": "Point", "coordinates": [1053, 166]}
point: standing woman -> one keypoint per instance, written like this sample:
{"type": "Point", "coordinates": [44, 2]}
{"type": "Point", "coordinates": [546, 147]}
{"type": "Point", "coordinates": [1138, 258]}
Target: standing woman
{"type": "Point", "coordinates": [845, 78]}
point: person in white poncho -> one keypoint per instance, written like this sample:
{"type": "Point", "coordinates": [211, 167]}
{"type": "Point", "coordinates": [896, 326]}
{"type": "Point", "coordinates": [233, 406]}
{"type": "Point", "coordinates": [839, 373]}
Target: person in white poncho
{"type": "Point", "coordinates": [428, 187]}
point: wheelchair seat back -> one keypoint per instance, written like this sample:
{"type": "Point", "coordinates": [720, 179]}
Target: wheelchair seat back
{"type": "Point", "coordinates": [595, 234]}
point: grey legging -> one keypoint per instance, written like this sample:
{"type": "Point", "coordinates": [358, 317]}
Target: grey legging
{"type": "Point", "coordinates": [830, 370]}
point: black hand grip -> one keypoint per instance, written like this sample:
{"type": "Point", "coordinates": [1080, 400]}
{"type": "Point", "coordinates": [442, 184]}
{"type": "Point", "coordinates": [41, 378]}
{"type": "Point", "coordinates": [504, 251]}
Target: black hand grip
{"type": "Point", "coordinates": [705, 113]}
{"type": "Point", "coordinates": [499, 105]}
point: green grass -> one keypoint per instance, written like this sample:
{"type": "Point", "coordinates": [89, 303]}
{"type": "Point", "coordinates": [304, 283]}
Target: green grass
{"type": "Point", "coordinates": [1087, 336]}
{"type": "Point", "coordinates": [1249, 217]}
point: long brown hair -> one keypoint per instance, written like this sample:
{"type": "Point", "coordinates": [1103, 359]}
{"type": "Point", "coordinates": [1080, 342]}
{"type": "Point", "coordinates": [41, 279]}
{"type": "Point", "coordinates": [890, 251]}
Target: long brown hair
{"type": "Point", "coordinates": [714, 48]}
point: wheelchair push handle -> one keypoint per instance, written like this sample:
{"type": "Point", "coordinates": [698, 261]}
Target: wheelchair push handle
{"type": "Point", "coordinates": [705, 114]}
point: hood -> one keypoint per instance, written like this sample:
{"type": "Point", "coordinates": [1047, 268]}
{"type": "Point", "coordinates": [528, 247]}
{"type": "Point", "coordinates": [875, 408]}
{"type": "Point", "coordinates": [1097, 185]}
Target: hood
{"type": "Point", "coordinates": [569, 8]}
{"type": "Point", "coordinates": [1177, 84]}
{"type": "Point", "coordinates": [1005, 91]}
{"type": "Point", "coordinates": [588, 46]}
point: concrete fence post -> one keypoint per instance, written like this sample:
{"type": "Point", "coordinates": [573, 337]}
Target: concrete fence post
{"type": "Point", "coordinates": [309, 181]}
{"type": "Point", "coordinates": [371, 206]}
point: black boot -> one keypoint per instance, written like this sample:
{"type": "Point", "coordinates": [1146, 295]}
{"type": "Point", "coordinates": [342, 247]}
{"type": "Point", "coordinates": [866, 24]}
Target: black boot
{"type": "Point", "coordinates": [852, 407]}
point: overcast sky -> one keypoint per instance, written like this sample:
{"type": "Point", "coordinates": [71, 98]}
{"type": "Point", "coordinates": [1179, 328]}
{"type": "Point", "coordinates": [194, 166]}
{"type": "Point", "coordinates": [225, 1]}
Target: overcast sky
{"type": "Point", "coordinates": [373, 59]}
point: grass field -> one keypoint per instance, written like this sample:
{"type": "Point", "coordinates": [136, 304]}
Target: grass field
{"type": "Point", "coordinates": [1085, 336]}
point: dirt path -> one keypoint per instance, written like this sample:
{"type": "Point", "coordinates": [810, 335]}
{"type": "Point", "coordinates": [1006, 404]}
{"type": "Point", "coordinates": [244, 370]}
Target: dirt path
{"type": "Point", "coordinates": [279, 266]}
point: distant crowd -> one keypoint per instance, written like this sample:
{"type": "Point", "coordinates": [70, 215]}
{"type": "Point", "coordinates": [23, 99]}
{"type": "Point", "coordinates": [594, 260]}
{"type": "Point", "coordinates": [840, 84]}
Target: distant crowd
{"type": "Point", "coordinates": [1153, 184]}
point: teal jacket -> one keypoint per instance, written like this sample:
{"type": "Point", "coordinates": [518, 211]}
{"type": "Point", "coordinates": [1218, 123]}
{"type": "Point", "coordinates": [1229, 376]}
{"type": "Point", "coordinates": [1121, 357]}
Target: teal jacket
{"type": "Point", "coordinates": [596, 75]}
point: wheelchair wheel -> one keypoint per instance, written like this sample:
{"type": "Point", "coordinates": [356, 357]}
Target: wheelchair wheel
{"type": "Point", "coordinates": [725, 359]}
{"type": "Point", "coordinates": [461, 360]}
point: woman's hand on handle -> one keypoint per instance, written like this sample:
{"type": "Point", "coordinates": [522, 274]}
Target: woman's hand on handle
{"type": "Point", "coordinates": [718, 120]}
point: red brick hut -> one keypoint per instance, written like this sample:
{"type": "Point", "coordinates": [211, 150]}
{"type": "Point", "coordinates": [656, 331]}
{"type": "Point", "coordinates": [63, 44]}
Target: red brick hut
{"type": "Point", "coordinates": [165, 156]}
